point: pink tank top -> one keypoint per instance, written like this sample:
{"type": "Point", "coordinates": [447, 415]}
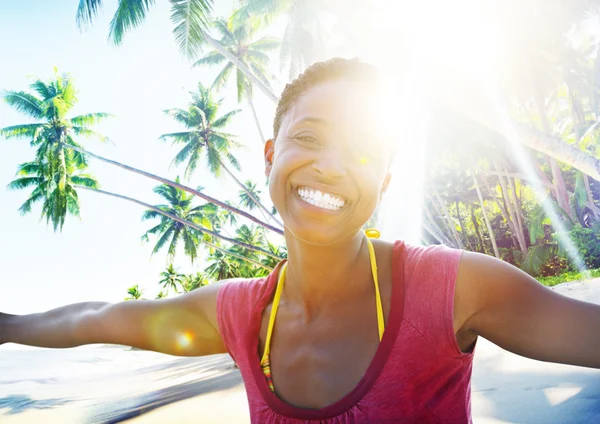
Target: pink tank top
{"type": "Point", "coordinates": [418, 374]}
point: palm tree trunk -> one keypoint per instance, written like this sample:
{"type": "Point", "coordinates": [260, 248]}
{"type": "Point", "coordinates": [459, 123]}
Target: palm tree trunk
{"type": "Point", "coordinates": [503, 210]}
{"type": "Point", "coordinates": [195, 226]}
{"type": "Point", "coordinates": [462, 226]}
{"type": "Point", "coordinates": [261, 207]}
{"type": "Point", "coordinates": [485, 217]}
{"type": "Point", "coordinates": [448, 226]}
{"type": "Point", "coordinates": [256, 121]}
{"type": "Point", "coordinates": [511, 212]}
{"type": "Point", "coordinates": [590, 196]}
{"type": "Point", "coordinates": [430, 229]}
{"type": "Point", "coordinates": [558, 181]}
{"type": "Point", "coordinates": [439, 233]}
{"type": "Point", "coordinates": [448, 218]}
{"type": "Point", "coordinates": [243, 68]}
{"type": "Point", "coordinates": [179, 186]}
{"type": "Point", "coordinates": [518, 208]}
{"type": "Point", "coordinates": [474, 104]}
{"type": "Point", "coordinates": [481, 245]}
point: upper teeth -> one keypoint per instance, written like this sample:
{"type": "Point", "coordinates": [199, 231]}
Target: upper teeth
{"type": "Point", "coordinates": [320, 199]}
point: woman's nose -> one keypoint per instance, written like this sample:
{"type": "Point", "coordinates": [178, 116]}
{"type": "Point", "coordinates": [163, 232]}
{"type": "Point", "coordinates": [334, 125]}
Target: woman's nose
{"type": "Point", "coordinates": [330, 164]}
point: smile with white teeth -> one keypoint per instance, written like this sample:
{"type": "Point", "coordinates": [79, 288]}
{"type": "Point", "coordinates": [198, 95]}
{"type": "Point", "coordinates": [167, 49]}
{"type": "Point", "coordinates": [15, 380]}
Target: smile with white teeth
{"type": "Point", "coordinates": [322, 200]}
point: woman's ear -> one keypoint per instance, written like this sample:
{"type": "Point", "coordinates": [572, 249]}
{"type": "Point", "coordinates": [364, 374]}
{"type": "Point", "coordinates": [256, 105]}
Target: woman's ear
{"type": "Point", "coordinates": [385, 185]}
{"type": "Point", "coordinates": [269, 151]}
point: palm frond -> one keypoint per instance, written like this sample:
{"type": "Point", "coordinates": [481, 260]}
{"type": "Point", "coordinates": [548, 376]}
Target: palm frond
{"type": "Point", "coordinates": [191, 21]}
{"type": "Point", "coordinates": [25, 182]}
{"type": "Point", "coordinates": [163, 238]}
{"type": "Point", "coordinates": [228, 38]}
{"type": "Point", "coordinates": [21, 131]}
{"type": "Point", "coordinates": [85, 180]}
{"type": "Point", "coordinates": [130, 14]}
{"type": "Point", "coordinates": [179, 115]}
{"type": "Point", "coordinates": [178, 137]}
{"type": "Point", "coordinates": [89, 119]}
{"type": "Point", "coordinates": [266, 44]}
{"type": "Point", "coordinates": [24, 103]}
{"type": "Point", "coordinates": [223, 76]}
{"type": "Point", "coordinates": [210, 59]}
{"type": "Point", "coordinates": [225, 119]}
{"type": "Point", "coordinates": [86, 132]}
{"type": "Point", "coordinates": [87, 12]}
{"type": "Point", "coordinates": [192, 163]}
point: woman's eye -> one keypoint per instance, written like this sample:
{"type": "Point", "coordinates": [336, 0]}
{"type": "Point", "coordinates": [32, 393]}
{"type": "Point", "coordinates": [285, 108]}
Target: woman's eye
{"type": "Point", "coordinates": [307, 139]}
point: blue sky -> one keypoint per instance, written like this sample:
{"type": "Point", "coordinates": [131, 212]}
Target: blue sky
{"type": "Point", "coordinates": [101, 255]}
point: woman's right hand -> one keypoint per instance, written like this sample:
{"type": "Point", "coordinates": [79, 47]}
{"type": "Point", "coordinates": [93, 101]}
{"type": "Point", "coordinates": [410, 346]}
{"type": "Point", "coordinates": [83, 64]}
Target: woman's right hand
{"type": "Point", "coordinates": [185, 325]}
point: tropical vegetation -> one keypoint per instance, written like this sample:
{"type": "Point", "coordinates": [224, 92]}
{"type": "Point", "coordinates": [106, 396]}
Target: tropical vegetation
{"type": "Point", "coordinates": [522, 185]}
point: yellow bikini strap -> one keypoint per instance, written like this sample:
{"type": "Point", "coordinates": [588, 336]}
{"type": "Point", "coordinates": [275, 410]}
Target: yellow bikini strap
{"type": "Point", "coordinates": [380, 320]}
{"type": "Point", "coordinates": [274, 307]}
{"type": "Point", "coordinates": [372, 233]}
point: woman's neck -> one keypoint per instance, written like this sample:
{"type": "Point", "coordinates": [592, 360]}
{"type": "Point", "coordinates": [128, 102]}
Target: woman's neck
{"type": "Point", "coordinates": [317, 276]}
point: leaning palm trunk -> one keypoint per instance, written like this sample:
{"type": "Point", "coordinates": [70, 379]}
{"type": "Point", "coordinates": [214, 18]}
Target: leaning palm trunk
{"type": "Point", "coordinates": [243, 68]}
{"type": "Point", "coordinates": [511, 211]}
{"type": "Point", "coordinates": [558, 181]}
{"type": "Point", "coordinates": [590, 196]}
{"type": "Point", "coordinates": [475, 222]}
{"type": "Point", "coordinates": [436, 231]}
{"type": "Point", "coordinates": [502, 205]}
{"type": "Point", "coordinates": [447, 217]}
{"type": "Point", "coordinates": [265, 212]}
{"type": "Point", "coordinates": [462, 226]}
{"type": "Point", "coordinates": [196, 227]}
{"type": "Point", "coordinates": [254, 114]}
{"type": "Point", "coordinates": [485, 217]}
{"type": "Point", "coordinates": [179, 186]}
{"type": "Point", "coordinates": [518, 209]}
{"type": "Point", "coordinates": [430, 229]}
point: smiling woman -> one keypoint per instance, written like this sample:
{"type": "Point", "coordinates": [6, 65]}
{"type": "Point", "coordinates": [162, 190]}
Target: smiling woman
{"type": "Point", "coordinates": [347, 329]}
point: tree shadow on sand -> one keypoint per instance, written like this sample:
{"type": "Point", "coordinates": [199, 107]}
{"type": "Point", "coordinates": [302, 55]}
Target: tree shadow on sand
{"type": "Point", "coordinates": [21, 403]}
{"type": "Point", "coordinates": [121, 410]}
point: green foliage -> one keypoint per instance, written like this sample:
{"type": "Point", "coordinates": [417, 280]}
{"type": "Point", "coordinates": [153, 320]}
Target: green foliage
{"type": "Point", "coordinates": [171, 279]}
{"type": "Point", "coordinates": [56, 171]}
{"type": "Point", "coordinates": [568, 276]}
{"type": "Point", "coordinates": [587, 243]}
{"type": "Point", "coordinates": [205, 134]}
{"type": "Point", "coordinates": [134, 293]}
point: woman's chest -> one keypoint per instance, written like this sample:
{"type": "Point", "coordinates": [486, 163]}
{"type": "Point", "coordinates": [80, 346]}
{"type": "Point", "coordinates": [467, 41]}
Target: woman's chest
{"type": "Point", "coordinates": [315, 365]}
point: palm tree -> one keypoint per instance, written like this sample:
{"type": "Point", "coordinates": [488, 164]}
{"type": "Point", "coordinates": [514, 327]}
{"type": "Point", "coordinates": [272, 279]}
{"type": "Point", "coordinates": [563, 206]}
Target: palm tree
{"type": "Point", "coordinates": [171, 279]}
{"type": "Point", "coordinates": [221, 267]}
{"type": "Point", "coordinates": [53, 169]}
{"type": "Point", "coordinates": [161, 295]}
{"type": "Point", "coordinates": [194, 281]}
{"type": "Point", "coordinates": [190, 20]}
{"type": "Point", "coordinates": [180, 204]}
{"type": "Point", "coordinates": [55, 190]}
{"type": "Point", "coordinates": [237, 37]}
{"type": "Point", "coordinates": [247, 200]}
{"type": "Point", "coordinates": [303, 42]}
{"type": "Point", "coordinates": [134, 293]}
{"type": "Point", "coordinates": [205, 136]}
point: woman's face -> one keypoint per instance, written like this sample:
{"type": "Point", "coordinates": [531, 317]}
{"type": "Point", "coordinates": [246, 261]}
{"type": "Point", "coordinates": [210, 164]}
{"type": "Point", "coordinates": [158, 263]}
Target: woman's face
{"type": "Point", "coordinates": [328, 168]}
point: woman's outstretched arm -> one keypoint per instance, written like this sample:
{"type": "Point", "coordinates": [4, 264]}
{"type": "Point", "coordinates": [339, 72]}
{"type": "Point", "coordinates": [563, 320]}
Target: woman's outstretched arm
{"type": "Point", "coordinates": [503, 304]}
{"type": "Point", "coordinates": [185, 325]}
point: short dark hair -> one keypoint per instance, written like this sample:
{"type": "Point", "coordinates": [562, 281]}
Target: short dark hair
{"type": "Point", "coordinates": [330, 70]}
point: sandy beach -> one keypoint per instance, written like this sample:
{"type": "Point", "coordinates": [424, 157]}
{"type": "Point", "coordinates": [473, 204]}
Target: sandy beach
{"type": "Point", "coordinates": [101, 385]}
